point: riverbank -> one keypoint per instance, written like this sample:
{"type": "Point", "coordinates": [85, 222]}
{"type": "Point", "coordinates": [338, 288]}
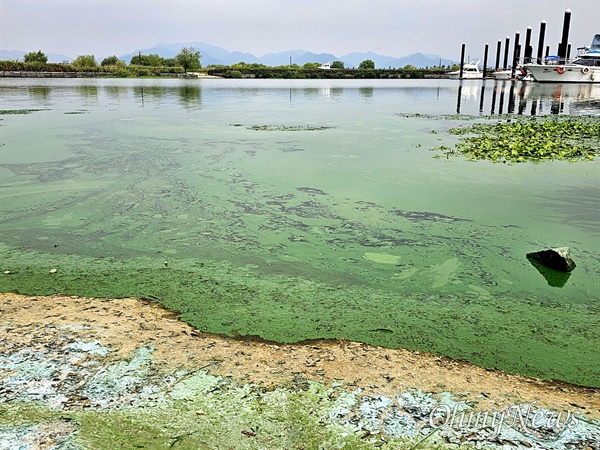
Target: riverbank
{"type": "Point", "coordinates": [103, 372]}
{"type": "Point", "coordinates": [31, 74]}
{"type": "Point", "coordinates": [227, 72]}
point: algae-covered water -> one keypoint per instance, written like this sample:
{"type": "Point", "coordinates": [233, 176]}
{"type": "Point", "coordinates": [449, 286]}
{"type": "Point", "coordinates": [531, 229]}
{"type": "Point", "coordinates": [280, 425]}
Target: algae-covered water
{"type": "Point", "coordinates": [295, 210]}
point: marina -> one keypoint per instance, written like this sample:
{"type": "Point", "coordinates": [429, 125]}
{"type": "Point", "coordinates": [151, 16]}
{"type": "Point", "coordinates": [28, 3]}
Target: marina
{"type": "Point", "coordinates": [543, 68]}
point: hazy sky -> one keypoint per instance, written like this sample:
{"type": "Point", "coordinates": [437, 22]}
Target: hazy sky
{"type": "Point", "coordinates": [393, 27]}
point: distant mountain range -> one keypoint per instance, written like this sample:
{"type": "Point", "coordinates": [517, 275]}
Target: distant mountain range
{"type": "Point", "coordinates": [217, 55]}
{"type": "Point", "coordinates": [212, 55]}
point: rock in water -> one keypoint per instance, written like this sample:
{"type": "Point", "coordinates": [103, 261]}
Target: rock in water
{"type": "Point", "coordinates": [554, 258]}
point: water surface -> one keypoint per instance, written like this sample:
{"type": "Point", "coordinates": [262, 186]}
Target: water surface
{"type": "Point", "coordinates": [306, 209]}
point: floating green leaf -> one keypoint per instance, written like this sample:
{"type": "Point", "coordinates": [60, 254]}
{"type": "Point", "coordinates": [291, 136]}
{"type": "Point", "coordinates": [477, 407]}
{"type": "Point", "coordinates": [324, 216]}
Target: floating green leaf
{"type": "Point", "coordinates": [535, 139]}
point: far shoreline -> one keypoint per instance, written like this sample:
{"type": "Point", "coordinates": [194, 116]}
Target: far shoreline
{"type": "Point", "coordinates": [267, 73]}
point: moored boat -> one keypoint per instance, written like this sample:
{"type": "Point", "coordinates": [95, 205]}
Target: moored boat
{"type": "Point", "coordinates": [585, 68]}
{"type": "Point", "coordinates": [471, 71]}
{"type": "Point", "coordinates": [502, 74]}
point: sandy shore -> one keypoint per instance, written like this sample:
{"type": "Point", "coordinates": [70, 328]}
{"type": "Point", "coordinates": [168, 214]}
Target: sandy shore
{"type": "Point", "coordinates": [127, 325]}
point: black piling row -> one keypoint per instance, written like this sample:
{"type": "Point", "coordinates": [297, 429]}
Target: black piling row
{"type": "Point", "coordinates": [526, 50]}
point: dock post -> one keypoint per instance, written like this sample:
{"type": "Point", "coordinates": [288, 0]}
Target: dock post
{"type": "Point", "coordinates": [568, 51]}
{"type": "Point", "coordinates": [506, 46]}
{"type": "Point", "coordinates": [462, 60]}
{"type": "Point", "coordinates": [540, 52]}
{"type": "Point", "coordinates": [516, 55]}
{"type": "Point", "coordinates": [528, 48]}
{"type": "Point", "coordinates": [562, 47]}
{"type": "Point", "coordinates": [485, 57]}
{"type": "Point", "coordinates": [498, 49]}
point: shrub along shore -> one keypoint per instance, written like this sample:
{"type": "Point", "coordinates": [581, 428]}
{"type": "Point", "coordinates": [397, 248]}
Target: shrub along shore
{"type": "Point", "coordinates": [54, 70]}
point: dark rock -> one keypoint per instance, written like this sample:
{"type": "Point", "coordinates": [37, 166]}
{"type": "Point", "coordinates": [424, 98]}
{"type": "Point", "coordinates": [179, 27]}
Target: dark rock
{"type": "Point", "coordinates": [554, 258]}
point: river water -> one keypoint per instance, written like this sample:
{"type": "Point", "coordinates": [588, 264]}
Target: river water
{"type": "Point", "coordinates": [300, 209]}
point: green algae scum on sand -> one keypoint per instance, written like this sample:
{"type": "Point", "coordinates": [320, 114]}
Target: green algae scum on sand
{"type": "Point", "coordinates": [545, 339]}
{"type": "Point", "coordinates": [329, 219]}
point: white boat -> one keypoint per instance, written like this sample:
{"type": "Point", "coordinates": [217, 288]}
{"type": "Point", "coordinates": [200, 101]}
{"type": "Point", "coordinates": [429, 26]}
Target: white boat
{"type": "Point", "coordinates": [502, 74]}
{"type": "Point", "coordinates": [585, 68]}
{"type": "Point", "coordinates": [471, 71]}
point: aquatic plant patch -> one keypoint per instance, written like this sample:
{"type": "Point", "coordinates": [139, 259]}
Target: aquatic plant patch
{"type": "Point", "coordinates": [285, 127]}
{"type": "Point", "coordinates": [568, 138]}
{"type": "Point", "coordinates": [19, 111]}
{"type": "Point", "coordinates": [461, 117]}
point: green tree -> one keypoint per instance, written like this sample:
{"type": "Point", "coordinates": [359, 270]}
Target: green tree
{"type": "Point", "coordinates": [189, 58]}
{"type": "Point", "coordinates": [409, 67]}
{"type": "Point", "coordinates": [85, 62]}
{"type": "Point", "coordinates": [170, 62]}
{"type": "Point", "coordinates": [152, 60]}
{"type": "Point", "coordinates": [112, 61]}
{"type": "Point", "coordinates": [137, 60]}
{"type": "Point", "coordinates": [366, 64]}
{"type": "Point", "coordinates": [337, 65]}
{"type": "Point", "coordinates": [35, 57]}
{"type": "Point", "coordinates": [311, 66]}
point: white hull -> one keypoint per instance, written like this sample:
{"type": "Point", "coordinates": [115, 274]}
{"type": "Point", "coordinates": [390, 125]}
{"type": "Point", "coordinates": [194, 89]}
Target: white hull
{"type": "Point", "coordinates": [470, 72]}
{"type": "Point", "coordinates": [503, 75]}
{"type": "Point", "coordinates": [466, 76]}
{"type": "Point", "coordinates": [571, 73]}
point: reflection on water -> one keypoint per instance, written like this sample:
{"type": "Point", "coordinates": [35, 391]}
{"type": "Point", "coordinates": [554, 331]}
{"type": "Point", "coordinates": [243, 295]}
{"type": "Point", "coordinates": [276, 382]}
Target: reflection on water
{"type": "Point", "coordinates": [471, 97]}
{"type": "Point", "coordinates": [510, 97]}
{"type": "Point", "coordinates": [39, 93]}
{"type": "Point", "coordinates": [555, 278]}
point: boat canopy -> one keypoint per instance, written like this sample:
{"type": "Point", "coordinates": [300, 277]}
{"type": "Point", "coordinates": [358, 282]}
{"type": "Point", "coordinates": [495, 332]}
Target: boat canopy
{"type": "Point", "coordinates": [595, 47]}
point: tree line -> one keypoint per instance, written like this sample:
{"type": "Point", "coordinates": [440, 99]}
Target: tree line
{"type": "Point", "coordinates": [188, 59]}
